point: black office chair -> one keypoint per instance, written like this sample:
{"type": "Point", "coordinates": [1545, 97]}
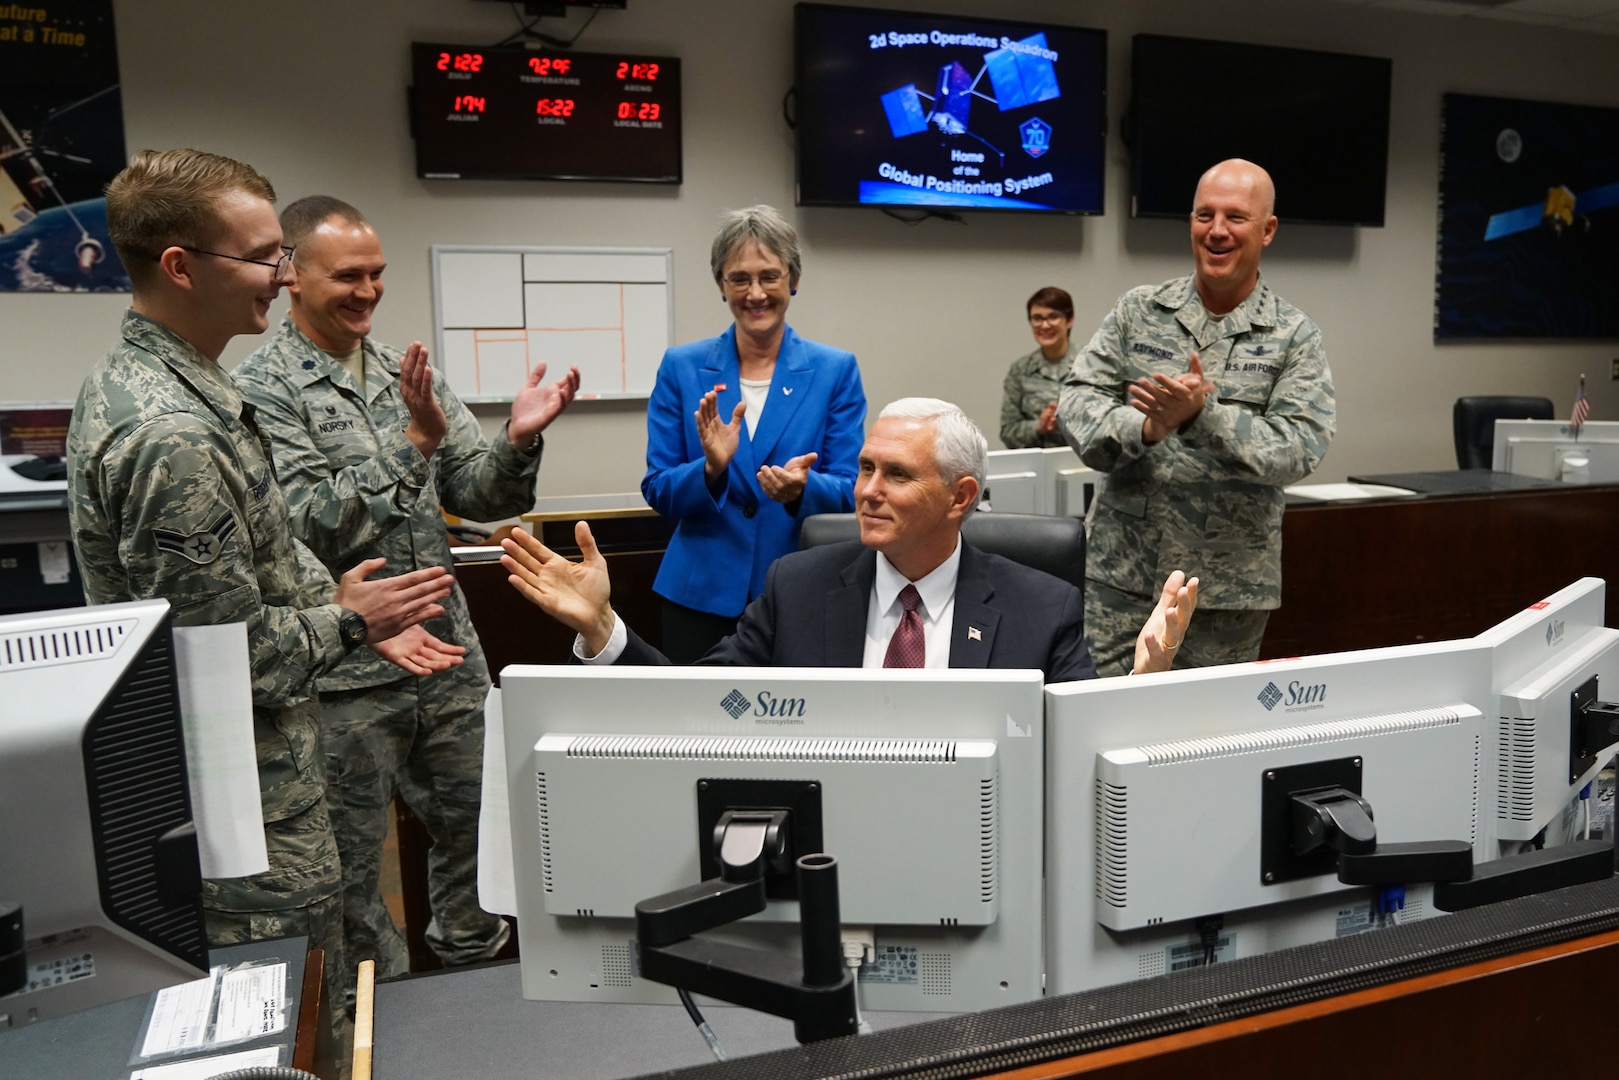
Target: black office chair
{"type": "Point", "coordinates": [1473, 420]}
{"type": "Point", "coordinates": [1053, 544]}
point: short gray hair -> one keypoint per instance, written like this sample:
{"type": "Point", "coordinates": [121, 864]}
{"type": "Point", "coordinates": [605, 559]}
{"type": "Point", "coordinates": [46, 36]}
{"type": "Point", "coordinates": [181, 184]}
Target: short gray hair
{"type": "Point", "coordinates": [766, 226]}
{"type": "Point", "coordinates": [959, 448]}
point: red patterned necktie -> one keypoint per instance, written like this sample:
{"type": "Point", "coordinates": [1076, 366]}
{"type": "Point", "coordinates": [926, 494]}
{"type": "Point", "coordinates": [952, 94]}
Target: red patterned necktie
{"type": "Point", "coordinates": [908, 647]}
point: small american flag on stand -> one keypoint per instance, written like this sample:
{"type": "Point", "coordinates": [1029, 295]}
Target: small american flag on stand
{"type": "Point", "coordinates": [1582, 409]}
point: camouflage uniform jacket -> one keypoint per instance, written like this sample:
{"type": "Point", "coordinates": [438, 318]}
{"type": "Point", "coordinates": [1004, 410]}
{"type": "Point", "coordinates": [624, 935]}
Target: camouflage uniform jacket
{"type": "Point", "coordinates": [1032, 383]}
{"type": "Point", "coordinates": [1208, 498]}
{"type": "Point", "coordinates": [172, 495]}
{"type": "Point", "coordinates": [358, 488]}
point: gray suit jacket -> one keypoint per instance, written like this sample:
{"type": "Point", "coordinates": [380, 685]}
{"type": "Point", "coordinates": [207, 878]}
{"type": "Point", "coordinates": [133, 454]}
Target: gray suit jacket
{"type": "Point", "coordinates": [813, 614]}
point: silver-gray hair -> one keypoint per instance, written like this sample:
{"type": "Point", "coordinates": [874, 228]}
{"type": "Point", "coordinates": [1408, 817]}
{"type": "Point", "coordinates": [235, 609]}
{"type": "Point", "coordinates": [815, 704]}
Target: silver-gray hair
{"type": "Point", "coordinates": [766, 226]}
{"type": "Point", "coordinates": [959, 448]}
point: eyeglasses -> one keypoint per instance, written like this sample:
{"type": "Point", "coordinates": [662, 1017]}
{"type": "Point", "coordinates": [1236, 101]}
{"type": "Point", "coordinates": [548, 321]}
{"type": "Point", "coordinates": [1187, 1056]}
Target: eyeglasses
{"type": "Point", "coordinates": [1047, 320]}
{"type": "Point", "coordinates": [741, 282]}
{"type": "Point", "coordinates": [278, 269]}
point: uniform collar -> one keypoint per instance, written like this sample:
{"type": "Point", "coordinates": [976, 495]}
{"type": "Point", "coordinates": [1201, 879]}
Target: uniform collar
{"type": "Point", "coordinates": [205, 377]}
{"type": "Point", "coordinates": [310, 363]}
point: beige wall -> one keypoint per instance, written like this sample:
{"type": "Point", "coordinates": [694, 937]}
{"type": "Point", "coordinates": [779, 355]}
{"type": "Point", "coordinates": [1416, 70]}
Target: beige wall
{"type": "Point", "coordinates": [312, 92]}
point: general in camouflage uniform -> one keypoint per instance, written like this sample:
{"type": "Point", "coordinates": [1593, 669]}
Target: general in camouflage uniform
{"type": "Point", "coordinates": [1032, 383]}
{"type": "Point", "coordinates": [357, 487]}
{"type": "Point", "coordinates": [1207, 498]}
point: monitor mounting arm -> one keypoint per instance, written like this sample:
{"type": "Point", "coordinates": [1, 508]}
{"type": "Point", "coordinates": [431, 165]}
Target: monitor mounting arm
{"type": "Point", "coordinates": [816, 992]}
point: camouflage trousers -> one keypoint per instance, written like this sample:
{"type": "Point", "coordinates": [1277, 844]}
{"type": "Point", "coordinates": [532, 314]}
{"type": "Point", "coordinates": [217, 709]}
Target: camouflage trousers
{"type": "Point", "coordinates": [422, 737]}
{"type": "Point", "coordinates": [1113, 621]}
{"type": "Point", "coordinates": [299, 895]}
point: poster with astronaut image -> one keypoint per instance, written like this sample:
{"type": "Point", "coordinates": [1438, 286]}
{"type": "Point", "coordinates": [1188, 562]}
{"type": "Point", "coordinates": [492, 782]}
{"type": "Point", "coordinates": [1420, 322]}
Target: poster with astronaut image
{"type": "Point", "coordinates": [61, 140]}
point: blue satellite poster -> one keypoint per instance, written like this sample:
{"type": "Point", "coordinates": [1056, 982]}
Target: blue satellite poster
{"type": "Point", "coordinates": [1528, 220]}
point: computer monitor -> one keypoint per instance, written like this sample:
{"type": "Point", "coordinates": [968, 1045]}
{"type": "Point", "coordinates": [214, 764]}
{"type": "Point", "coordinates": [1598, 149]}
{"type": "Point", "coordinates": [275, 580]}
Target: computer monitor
{"type": "Point", "coordinates": [95, 839]}
{"type": "Point", "coordinates": [1039, 480]}
{"type": "Point", "coordinates": [1163, 794]}
{"type": "Point", "coordinates": [928, 787]}
{"type": "Point", "coordinates": [1545, 661]}
{"type": "Point", "coordinates": [1548, 449]}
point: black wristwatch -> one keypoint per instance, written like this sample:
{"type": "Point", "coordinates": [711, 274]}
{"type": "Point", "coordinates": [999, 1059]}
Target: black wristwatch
{"type": "Point", "coordinates": [351, 628]}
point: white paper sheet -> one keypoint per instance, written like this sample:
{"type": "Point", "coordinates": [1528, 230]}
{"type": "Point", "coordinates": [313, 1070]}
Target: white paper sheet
{"type": "Point", "coordinates": [1344, 492]}
{"type": "Point", "coordinates": [203, 1068]}
{"type": "Point", "coordinates": [216, 701]}
{"type": "Point", "coordinates": [180, 1017]}
{"type": "Point", "coordinates": [497, 891]}
{"type": "Point", "coordinates": [252, 1002]}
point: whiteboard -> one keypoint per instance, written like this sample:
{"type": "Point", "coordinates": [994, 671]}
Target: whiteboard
{"type": "Point", "coordinates": [499, 311]}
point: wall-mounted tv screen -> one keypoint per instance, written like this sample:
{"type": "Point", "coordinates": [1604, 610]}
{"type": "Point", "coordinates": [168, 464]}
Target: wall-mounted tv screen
{"type": "Point", "coordinates": [517, 114]}
{"type": "Point", "coordinates": [940, 111]}
{"type": "Point", "coordinates": [1317, 121]}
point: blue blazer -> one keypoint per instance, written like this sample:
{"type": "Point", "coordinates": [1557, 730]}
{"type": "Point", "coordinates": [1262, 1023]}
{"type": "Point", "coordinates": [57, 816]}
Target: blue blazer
{"type": "Point", "coordinates": [723, 545]}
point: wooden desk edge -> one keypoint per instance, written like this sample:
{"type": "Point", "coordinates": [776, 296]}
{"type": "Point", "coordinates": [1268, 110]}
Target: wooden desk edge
{"type": "Point", "coordinates": [541, 516]}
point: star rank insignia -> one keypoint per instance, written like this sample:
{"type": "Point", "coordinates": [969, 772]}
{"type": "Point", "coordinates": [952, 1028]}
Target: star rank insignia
{"type": "Point", "coordinates": [202, 547]}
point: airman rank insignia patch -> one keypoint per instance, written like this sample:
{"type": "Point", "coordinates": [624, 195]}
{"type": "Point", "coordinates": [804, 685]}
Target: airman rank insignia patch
{"type": "Point", "coordinates": [202, 547]}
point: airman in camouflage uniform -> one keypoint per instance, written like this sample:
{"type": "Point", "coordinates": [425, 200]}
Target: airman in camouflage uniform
{"type": "Point", "coordinates": [359, 485]}
{"type": "Point", "coordinates": [1031, 384]}
{"type": "Point", "coordinates": [172, 496]}
{"type": "Point", "coordinates": [1034, 381]}
{"type": "Point", "coordinates": [1200, 398]}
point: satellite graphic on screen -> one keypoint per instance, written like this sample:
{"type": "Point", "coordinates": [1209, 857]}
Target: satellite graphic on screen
{"type": "Point", "coordinates": [1019, 78]}
{"type": "Point", "coordinates": [935, 111]}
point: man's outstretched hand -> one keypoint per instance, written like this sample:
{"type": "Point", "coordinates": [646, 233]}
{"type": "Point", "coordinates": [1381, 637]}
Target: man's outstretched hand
{"type": "Point", "coordinates": [1161, 635]}
{"type": "Point", "coordinates": [576, 594]}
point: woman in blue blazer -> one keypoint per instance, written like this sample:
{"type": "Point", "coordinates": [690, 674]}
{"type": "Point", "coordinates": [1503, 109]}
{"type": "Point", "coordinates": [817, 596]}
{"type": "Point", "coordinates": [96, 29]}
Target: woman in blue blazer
{"type": "Point", "coordinates": [748, 433]}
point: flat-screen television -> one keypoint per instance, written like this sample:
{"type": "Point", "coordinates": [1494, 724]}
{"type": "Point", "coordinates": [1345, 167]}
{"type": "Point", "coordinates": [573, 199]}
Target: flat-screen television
{"type": "Point", "coordinates": [925, 786]}
{"type": "Point", "coordinates": [943, 111]}
{"type": "Point", "coordinates": [1317, 121]}
{"type": "Point", "coordinates": [95, 838]}
{"type": "Point", "coordinates": [516, 114]}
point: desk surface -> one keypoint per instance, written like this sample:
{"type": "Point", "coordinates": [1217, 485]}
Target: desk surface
{"type": "Point", "coordinates": [96, 1044]}
{"type": "Point", "coordinates": [467, 1023]}
{"type": "Point", "coordinates": [1461, 482]}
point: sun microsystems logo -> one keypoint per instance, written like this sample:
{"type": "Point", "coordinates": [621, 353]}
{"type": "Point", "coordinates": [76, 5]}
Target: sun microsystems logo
{"type": "Point", "coordinates": [734, 703]}
{"type": "Point", "coordinates": [1554, 631]}
{"type": "Point", "coordinates": [1270, 696]}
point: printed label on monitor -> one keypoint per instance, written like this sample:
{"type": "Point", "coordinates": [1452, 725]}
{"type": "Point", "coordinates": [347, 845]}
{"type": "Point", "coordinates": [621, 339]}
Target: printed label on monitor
{"type": "Point", "coordinates": [62, 969]}
{"type": "Point", "coordinates": [893, 965]}
{"type": "Point", "coordinates": [1195, 954]}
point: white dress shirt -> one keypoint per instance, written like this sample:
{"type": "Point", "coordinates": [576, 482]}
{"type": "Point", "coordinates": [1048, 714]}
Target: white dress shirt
{"type": "Point", "coordinates": [883, 612]}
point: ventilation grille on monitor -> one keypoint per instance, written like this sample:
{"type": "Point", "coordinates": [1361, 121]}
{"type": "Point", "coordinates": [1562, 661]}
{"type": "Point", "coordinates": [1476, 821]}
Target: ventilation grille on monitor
{"type": "Point", "coordinates": [1112, 818]}
{"type": "Point", "coordinates": [1515, 796]}
{"type": "Point", "coordinates": [729, 748]}
{"type": "Point", "coordinates": [135, 770]}
{"type": "Point", "coordinates": [1286, 738]}
{"type": "Point", "coordinates": [43, 648]}
{"type": "Point", "coordinates": [617, 965]}
{"type": "Point", "coordinates": [933, 970]}
{"type": "Point", "coordinates": [987, 847]}
{"type": "Point", "coordinates": [1472, 817]}
{"type": "Point", "coordinates": [543, 803]}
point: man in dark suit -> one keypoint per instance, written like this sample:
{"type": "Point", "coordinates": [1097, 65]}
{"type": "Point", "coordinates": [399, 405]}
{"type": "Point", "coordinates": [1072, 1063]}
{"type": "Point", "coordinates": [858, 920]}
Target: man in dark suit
{"type": "Point", "coordinates": [909, 594]}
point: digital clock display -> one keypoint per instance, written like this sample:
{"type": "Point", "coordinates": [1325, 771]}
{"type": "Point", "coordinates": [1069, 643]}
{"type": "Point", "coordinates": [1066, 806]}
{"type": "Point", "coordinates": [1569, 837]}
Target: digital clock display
{"type": "Point", "coordinates": [514, 114]}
